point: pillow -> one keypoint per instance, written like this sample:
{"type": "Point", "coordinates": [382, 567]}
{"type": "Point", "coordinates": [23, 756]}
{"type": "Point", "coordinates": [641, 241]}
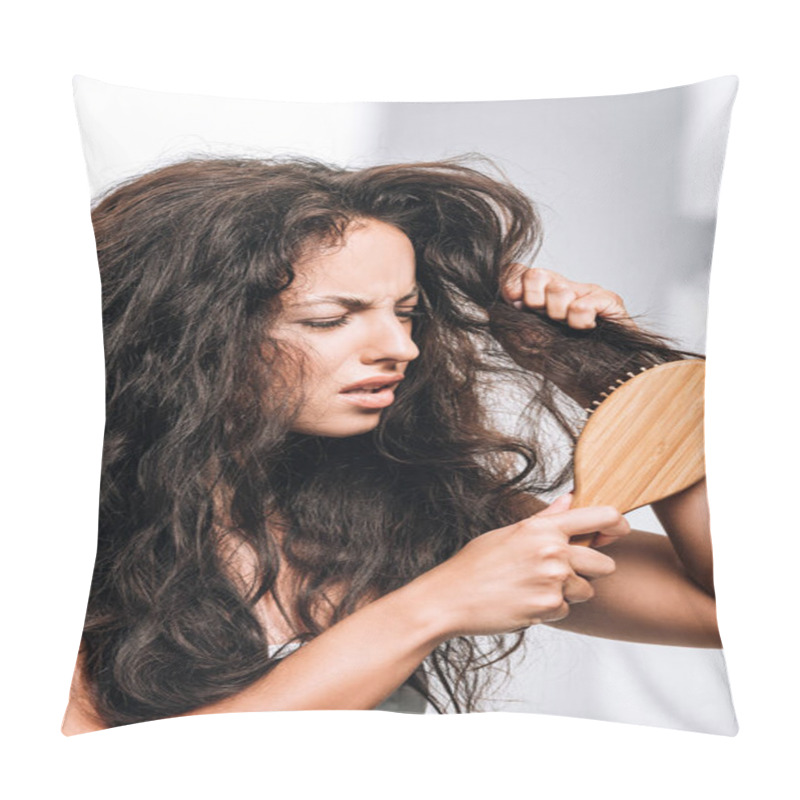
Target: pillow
{"type": "Point", "coordinates": [326, 469]}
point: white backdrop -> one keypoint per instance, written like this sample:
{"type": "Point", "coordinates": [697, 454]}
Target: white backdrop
{"type": "Point", "coordinates": [352, 51]}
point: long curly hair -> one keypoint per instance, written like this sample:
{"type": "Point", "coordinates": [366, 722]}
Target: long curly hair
{"type": "Point", "coordinates": [198, 446]}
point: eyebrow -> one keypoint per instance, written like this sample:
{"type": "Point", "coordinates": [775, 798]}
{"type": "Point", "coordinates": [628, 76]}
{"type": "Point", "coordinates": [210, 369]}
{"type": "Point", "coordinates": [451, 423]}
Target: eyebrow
{"type": "Point", "coordinates": [350, 302]}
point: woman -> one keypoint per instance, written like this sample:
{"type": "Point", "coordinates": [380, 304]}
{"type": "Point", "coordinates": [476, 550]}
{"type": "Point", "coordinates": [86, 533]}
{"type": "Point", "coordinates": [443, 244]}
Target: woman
{"type": "Point", "coordinates": [300, 448]}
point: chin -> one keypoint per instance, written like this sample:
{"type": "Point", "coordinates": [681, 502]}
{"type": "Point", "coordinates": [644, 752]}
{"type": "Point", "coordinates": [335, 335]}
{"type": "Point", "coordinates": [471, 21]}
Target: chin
{"type": "Point", "coordinates": [340, 430]}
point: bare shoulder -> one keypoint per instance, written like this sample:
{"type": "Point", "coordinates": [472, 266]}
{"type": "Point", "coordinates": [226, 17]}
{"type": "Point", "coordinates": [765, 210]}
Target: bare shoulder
{"type": "Point", "coordinates": [80, 716]}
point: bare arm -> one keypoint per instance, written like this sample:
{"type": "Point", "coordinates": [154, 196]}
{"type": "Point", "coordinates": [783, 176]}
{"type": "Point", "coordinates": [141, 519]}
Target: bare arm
{"type": "Point", "coordinates": [499, 582]}
{"type": "Point", "coordinates": [649, 599]}
{"type": "Point", "coordinates": [685, 518]}
{"type": "Point", "coordinates": [355, 664]}
{"type": "Point", "coordinates": [662, 590]}
{"type": "Point", "coordinates": [505, 580]}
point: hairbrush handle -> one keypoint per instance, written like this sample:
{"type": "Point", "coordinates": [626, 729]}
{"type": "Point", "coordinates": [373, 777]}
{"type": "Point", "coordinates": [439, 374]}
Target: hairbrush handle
{"type": "Point", "coordinates": [644, 442]}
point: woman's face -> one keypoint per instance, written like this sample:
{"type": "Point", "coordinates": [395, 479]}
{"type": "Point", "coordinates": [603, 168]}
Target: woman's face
{"type": "Point", "coordinates": [349, 311]}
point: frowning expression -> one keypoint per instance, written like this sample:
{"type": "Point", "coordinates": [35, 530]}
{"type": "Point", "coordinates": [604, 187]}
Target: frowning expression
{"type": "Point", "coordinates": [350, 312]}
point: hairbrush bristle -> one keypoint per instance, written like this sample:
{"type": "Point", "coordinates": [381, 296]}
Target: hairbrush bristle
{"type": "Point", "coordinates": [613, 387]}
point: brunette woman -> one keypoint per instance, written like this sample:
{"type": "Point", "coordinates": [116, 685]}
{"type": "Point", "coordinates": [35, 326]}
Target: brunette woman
{"type": "Point", "coordinates": [306, 498]}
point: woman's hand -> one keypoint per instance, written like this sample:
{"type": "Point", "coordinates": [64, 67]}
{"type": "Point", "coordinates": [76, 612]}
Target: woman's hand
{"type": "Point", "coordinates": [578, 304]}
{"type": "Point", "coordinates": [521, 575]}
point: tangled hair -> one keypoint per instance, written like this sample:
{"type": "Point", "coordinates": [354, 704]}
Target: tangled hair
{"type": "Point", "coordinates": [198, 447]}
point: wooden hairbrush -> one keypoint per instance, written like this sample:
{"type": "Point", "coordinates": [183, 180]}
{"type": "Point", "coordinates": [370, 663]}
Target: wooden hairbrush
{"type": "Point", "coordinates": [643, 441]}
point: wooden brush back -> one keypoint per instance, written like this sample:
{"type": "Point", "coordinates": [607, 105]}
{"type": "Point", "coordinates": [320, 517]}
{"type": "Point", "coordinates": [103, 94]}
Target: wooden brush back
{"type": "Point", "coordinates": [644, 442]}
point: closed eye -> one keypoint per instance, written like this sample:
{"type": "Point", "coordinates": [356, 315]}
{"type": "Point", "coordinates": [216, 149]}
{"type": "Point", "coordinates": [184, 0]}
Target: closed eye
{"type": "Point", "coordinates": [329, 323]}
{"type": "Point", "coordinates": [338, 322]}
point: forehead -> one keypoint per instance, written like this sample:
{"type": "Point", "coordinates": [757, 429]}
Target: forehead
{"type": "Point", "coordinates": [374, 258]}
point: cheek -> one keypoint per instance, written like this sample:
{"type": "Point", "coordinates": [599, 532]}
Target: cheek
{"type": "Point", "coordinates": [325, 356]}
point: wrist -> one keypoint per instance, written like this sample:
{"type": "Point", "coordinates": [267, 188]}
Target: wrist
{"type": "Point", "coordinates": [419, 604]}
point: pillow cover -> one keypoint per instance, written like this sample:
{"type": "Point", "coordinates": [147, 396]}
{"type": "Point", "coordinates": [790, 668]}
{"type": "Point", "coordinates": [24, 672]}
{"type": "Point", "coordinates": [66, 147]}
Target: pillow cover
{"type": "Point", "coordinates": [324, 469]}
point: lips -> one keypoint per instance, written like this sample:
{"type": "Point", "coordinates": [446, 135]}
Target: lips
{"type": "Point", "coordinates": [371, 394]}
{"type": "Point", "coordinates": [373, 385]}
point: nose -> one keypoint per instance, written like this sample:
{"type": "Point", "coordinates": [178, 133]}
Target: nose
{"type": "Point", "coordinates": [389, 339]}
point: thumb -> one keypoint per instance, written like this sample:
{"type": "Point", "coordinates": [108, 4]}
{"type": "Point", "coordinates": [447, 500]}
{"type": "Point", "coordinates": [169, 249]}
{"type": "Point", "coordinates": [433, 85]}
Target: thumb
{"type": "Point", "coordinates": [511, 282]}
{"type": "Point", "coordinates": [558, 505]}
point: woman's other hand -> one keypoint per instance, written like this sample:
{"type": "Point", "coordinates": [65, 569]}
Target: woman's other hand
{"type": "Point", "coordinates": [577, 304]}
{"type": "Point", "coordinates": [523, 574]}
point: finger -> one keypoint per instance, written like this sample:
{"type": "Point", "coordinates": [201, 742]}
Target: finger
{"type": "Point", "coordinates": [558, 297]}
{"type": "Point", "coordinates": [598, 302]}
{"type": "Point", "coordinates": [603, 539]}
{"type": "Point", "coordinates": [615, 309]}
{"type": "Point", "coordinates": [553, 612]}
{"type": "Point", "coordinates": [512, 289]}
{"type": "Point", "coordinates": [582, 313]}
{"type": "Point", "coordinates": [575, 521]}
{"type": "Point", "coordinates": [555, 615]}
{"type": "Point", "coordinates": [598, 539]}
{"type": "Point", "coordinates": [577, 590]}
{"type": "Point", "coordinates": [534, 283]}
{"type": "Point", "coordinates": [590, 564]}
{"type": "Point", "coordinates": [559, 504]}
